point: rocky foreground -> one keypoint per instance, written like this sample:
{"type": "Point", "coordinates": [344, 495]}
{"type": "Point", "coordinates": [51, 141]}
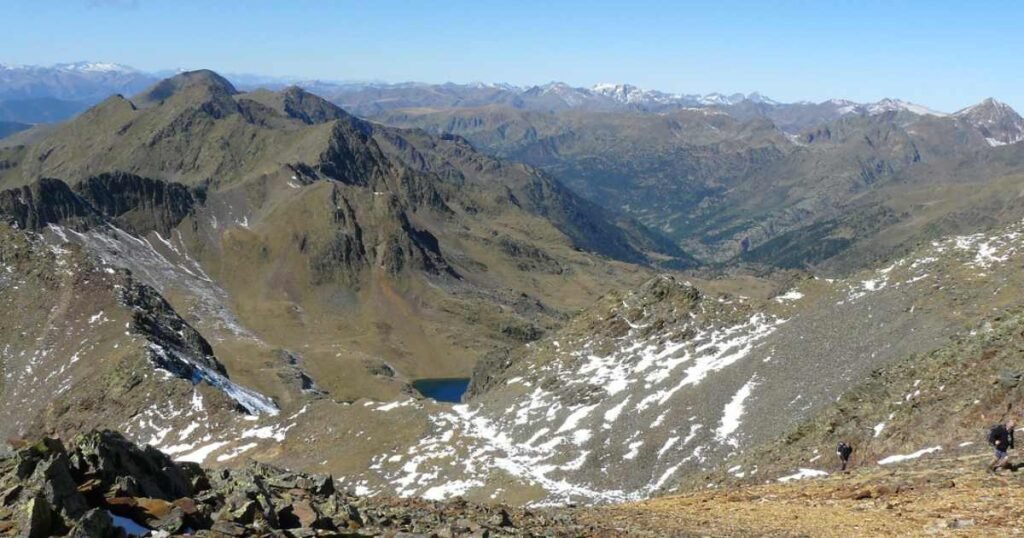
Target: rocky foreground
{"type": "Point", "coordinates": [101, 485]}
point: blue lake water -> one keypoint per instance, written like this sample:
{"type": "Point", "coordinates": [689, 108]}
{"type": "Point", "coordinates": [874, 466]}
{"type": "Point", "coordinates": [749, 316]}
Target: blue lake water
{"type": "Point", "coordinates": [448, 389]}
{"type": "Point", "coordinates": [129, 527]}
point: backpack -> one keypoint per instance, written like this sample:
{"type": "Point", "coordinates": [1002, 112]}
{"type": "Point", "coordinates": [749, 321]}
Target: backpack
{"type": "Point", "coordinates": [994, 433]}
{"type": "Point", "coordinates": [844, 450]}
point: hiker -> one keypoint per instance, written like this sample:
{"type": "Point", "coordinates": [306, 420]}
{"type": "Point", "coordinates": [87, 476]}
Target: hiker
{"type": "Point", "coordinates": [1001, 439]}
{"type": "Point", "coordinates": [843, 451]}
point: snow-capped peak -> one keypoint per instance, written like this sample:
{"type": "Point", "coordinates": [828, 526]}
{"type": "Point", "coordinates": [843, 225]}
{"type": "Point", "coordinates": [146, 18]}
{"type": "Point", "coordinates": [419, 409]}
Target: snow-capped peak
{"type": "Point", "coordinates": [608, 87]}
{"type": "Point", "coordinates": [629, 94]}
{"type": "Point", "coordinates": [719, 99]}
{"type": "Point", "coordinates": [95, 67]}
{"type": "Point", "coordinates": [572, 97]}
{"type": "Point", "coordinates": [898, 105]}
{"type": "Point", "coordinates": [493, 85]}
{"type": "Point", "coordinates": [989, 106]}
{"type": "Point", "coordinates": [758, 98]}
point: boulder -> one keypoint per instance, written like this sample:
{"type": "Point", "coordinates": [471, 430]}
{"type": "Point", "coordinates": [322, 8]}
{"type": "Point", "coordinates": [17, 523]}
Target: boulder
{"type": "Point", "coordinates": [501, 518]}
{"type": "Point", "coordinates": [28, 457]}
{"type": "Point", "coordinates": [10, 495]}
{"type": "Point", "coordinates": [228, 528]}
{"type": "Point", "coordinates": [111, 458]}
{"type": "Point", "coordinates": [96, 523]}
{"type": "Point", "coordinates": [53, 477]}
{"type": "Point", "coordinates": [38, 518]}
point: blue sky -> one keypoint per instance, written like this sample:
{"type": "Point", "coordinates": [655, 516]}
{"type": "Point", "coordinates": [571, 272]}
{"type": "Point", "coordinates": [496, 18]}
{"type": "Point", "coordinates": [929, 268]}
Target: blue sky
{"type": "Point", "coordinates": [940, 53]}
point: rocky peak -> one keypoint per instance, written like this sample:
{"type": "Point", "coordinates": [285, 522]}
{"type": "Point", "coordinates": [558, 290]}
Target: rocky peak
{"type": "Point", "coordinates": [309, 108]}
{"type": "Point", "coordinates": [203, 79]}
{"type": "Point", "coordinates": [999, 123]}
{"type": "Point", "coordinates": [988, 107]}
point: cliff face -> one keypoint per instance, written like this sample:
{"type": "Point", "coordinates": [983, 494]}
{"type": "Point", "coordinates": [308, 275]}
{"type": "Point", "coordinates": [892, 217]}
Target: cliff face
{"type": "Point", "coordinates": [45, 202]}
{"type": "Point", "coordinates": [136, 204]}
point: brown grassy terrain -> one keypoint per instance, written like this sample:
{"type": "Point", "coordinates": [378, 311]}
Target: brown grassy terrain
{"type": "Point", "coordinates": [932, 497]}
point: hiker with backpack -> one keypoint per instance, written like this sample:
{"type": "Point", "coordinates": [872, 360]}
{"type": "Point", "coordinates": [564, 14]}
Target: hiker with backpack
{"type": "Point", "coordinates": [843, 451]}
{"type": "Point", "coordinates": [1001, 439]}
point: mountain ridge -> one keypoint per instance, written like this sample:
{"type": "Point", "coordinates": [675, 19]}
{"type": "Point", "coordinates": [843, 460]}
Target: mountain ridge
{"type": "Point", "coordinates": [117, 78]}
{"type": "Point", "coordinates": [393, 254]}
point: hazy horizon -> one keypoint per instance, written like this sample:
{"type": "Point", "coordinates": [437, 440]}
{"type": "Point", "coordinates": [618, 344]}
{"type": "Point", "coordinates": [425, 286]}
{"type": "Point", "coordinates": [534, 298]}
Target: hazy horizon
{"type": "Point", "coordinates": [937, 54]}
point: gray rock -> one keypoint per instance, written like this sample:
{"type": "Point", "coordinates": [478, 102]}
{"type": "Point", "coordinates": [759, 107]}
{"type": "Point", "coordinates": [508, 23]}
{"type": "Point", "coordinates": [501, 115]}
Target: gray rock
{"type": "Point", "coordinates": [38, 519]}
{"type": "Point", "coordinates": [96, 523]}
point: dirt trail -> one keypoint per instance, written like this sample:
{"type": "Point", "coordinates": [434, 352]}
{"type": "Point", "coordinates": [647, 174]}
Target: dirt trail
{"type": "Point", "coordinates": [936, 497]}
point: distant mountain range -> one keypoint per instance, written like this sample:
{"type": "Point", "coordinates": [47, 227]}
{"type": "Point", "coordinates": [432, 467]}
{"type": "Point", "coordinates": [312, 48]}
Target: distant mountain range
{"type": "Point", "coordinates": [86, 82]}
{"type": "Point", "coordinates": [37, 94]}
{"type": "Point", "coordinates": [373, 98]}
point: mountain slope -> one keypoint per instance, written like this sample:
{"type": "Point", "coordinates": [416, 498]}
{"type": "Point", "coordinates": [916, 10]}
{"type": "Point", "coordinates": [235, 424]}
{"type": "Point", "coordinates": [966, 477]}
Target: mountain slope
{"type": "Point", "coordinates": [656, 389]}
{"type": "Point", "coordinates": [146, 141]}
{"type": "Point", "coordinates": [859, 185]}
{"type": "Point", "coordinates": [91, 346]}
{"type": "Point", "coordinates": [323, 260]}
{"type": "Point", "coordinates": [8, 128]}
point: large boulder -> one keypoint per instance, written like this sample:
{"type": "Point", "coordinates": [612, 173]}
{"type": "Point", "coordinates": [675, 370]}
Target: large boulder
{"type": "Point", "coordinates": [118, 463]}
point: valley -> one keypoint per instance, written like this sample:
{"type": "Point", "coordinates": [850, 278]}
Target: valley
{"type": "Point", "coordinates": [735, 187]}
{"type": "Point", "coordinates": [603, 311]}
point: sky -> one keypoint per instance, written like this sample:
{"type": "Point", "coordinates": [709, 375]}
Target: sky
{"type": "Point", "coordinates": [941, 53]}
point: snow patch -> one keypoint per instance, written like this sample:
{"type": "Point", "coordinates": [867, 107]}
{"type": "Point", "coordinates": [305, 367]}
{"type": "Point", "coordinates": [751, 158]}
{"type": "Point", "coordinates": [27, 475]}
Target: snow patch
{"type": "Point", "coordinates": [905, 457]}
{"type": "Point", "coordinates": [802, 474]}
{"type": "Point", "coordinates": [732, 413]}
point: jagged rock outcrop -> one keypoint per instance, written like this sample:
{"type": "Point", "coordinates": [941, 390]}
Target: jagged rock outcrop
{"type": "Point", "coordinates": [163, 327]}
{"type": "Point", "coordinates": [44, 202]}
{"type": "Point", "coordinates": [99, 484]}
{"type": "Point", "coordinates": [137, 204]}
